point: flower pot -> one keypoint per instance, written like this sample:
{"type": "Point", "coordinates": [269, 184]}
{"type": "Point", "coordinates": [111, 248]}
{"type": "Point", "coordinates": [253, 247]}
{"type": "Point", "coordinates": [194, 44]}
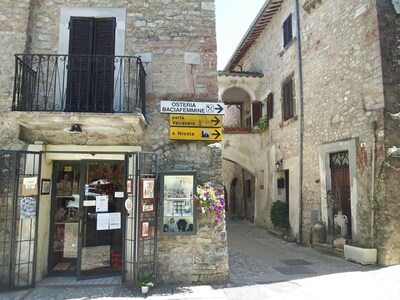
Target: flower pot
{"type": "Point", "coordinates": [364, 256]}
{"type": "Point", "coordinates": [145, 289]}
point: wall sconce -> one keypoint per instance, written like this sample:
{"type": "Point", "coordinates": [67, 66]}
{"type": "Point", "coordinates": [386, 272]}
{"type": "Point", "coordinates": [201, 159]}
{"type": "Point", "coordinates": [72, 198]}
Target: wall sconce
{"type": "Point", "coordinates": [278, 165]}
{"type": "Point", "coordinates": [76, 128]}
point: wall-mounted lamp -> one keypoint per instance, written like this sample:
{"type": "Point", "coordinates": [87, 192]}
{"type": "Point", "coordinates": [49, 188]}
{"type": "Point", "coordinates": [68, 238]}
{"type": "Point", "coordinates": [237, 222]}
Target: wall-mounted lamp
{"type": "Point", "coordinates": [278, 165]}
{"type": "Point", "coordinates": [76, 128]}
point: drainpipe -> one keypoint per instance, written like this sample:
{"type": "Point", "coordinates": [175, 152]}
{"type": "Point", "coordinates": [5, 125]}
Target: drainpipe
{"type": "Point", "coordinates": [373, 192]}
{"type": "Point", "coordinates": [301, 121]}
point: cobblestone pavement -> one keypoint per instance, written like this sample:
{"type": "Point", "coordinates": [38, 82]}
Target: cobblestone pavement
{"type": "Point", "coordinates": [256, 256]}
{"type": "Point", "coordinates": [262, 266]}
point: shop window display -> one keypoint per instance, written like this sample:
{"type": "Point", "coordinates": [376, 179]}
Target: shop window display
{"type": "Point", "coordinates": [178, 213]}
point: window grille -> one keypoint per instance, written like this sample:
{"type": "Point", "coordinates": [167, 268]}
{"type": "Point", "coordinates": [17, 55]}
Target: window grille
{"type": "Point", "coordinates": [339, 159]}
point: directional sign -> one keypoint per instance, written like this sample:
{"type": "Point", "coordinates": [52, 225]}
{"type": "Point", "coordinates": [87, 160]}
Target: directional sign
{"type": "Point", "coordinates": [196, 108]}
{"type": "Point", "coordinates": [198, 134]}
{"type": "Point", "coordinates": [182, 120]}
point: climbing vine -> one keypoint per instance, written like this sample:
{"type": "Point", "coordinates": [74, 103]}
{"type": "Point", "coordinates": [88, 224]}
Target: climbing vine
{"type": "Point", "coordinates": [380, 175]}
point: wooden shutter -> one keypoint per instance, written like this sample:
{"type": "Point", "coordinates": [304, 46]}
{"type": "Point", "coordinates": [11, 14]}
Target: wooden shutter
{"type": "Point", "coordinates": [91, 64]}
{"type": "Point", "coordinates": [257, 112]}
{"type": "Point", "coordinates": [287, 31]}
{"type": "Point", "coordinates": [270, 106]}
{"type": "Point", "coordinates": [104, 36]}
{"type": "Point", "coordinates": [103, 64]}
{"type": "Point", "coordinates": [288, 109]}
{"type": "Point", "coordinates": [80, 35]}
{"type": "Point", "coordinates": [79, 67]}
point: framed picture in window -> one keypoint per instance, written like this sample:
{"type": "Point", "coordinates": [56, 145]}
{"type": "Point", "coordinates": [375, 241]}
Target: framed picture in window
{"type": "Point", "coordinates": [45, 188]}
{"type": "Point", "coordinates": [148, 188]}
{"type": "Point", "coordinates": [144, 229]}
{"type": "Point", "coordinates": [129, 186]}
{"type": "Point", "coordinates": [147, 207]}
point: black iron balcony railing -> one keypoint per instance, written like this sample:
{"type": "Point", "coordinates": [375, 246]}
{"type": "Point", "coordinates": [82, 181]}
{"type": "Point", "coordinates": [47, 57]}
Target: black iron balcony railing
{"type": "Point", "coordinates": [79, 83]}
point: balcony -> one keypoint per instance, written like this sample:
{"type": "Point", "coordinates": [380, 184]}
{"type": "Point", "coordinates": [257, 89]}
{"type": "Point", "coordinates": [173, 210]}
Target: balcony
{"type": "Point", "coordinates": [92, 90]}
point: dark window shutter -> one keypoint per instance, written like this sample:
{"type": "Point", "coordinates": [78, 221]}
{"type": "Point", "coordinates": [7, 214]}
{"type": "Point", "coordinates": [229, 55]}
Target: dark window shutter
{"type": "Point", "coordinates": [91, 78]}
{"type": "Point", "coordinates": [103, 64]}
{"type": "Point", "coordinates": [288, 105]}
{"type": "Point", "coordinates": [80, 35]}
{"type": "Point", "coordinates": [270, 106]}
{"type": "Point", "coordinates": [284, 103]}
{"type": "Point", "coordinates": [290, 100]}
{"type": "Point", "coordinates": [79, 67]}
{"type": "Point", "coordinates": [287, 31]}
{"type": "Point", "coordinates": [104, 36]}
{"type": "Point", "coordinates": [257, 112]}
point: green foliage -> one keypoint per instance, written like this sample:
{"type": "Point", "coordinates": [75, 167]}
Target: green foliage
{"type": "Point", "coordinates": [335, 230]}
{"type": "Point", "coordinates": [146, 281]}
{"type": "Point", "coordinates": [263, 123]}
{"type": "Point", "coordinates": [279, 214]}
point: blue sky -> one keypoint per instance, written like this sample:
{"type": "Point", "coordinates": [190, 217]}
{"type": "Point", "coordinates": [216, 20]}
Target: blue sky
{"type": "Point", "coordinates": [233, 19]}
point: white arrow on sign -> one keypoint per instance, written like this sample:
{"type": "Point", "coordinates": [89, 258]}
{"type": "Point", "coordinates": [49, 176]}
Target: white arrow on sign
{"type": "Point", "coordinates": [187, 107]}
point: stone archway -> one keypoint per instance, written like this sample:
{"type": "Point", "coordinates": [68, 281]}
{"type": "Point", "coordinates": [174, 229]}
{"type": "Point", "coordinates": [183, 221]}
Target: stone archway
{"type": "Point", "coordinates": [238, 108]}
{"type": "Point", "coordinates": [241, 186]}
{"type": "Point", "coordinates": [242, 174]}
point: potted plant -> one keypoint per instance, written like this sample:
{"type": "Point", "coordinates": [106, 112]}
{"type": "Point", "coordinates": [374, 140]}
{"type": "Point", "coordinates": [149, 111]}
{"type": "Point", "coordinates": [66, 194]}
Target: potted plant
{"type": "Point", "coordinates": [279, 214]}
{"type": "Point", "coordinates": [145, 283]}
{"type": "Point", "coordinates": [210, 200]}
{"type": "Point", "coordinates": [263, 123]}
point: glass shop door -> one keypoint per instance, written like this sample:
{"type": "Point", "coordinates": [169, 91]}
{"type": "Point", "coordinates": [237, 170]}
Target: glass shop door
{"type": "Point", "coordinates": [100, 218]}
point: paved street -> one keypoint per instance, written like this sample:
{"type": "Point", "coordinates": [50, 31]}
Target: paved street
{"type": "Point", "coordinates": [262, 267]}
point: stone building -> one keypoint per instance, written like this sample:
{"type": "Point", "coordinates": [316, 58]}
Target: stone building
{"type": "Point", "coordinates": [325, 74]}
{"type": "Point", "coordinates": [91, 182]}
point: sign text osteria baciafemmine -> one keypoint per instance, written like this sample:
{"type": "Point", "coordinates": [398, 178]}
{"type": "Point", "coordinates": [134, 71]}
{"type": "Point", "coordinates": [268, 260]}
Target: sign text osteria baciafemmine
{"type": "Point", "coordinates": [187, 107]}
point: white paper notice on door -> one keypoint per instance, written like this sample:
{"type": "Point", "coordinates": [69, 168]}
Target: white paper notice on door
{"type": "Point", "coordinates": [102, 203]}
{"type": "Point", "coordinates": [102, 221]}
{"type": "Point", "coordinates": [115, 220]}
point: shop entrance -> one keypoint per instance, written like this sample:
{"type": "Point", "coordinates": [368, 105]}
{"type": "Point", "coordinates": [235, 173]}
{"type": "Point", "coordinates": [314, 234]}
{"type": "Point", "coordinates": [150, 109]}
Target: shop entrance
{"type": "Point", "coordinates": [87, 210]}
{"type": "Point", "coordinates": [92, 216]}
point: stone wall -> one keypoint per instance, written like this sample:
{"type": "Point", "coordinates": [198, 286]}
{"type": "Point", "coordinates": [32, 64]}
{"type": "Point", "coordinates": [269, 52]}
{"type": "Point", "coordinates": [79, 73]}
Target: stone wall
{"type": "Point", "coordinates": [14, 18]}
{"type": "Point", "coordinates": [200, 258]}
{"type": "Point", "coordinates": [276, 64]}
{"type": "Point", "coordinates": [268, 57]}
{"type": "Point", "coordinates": [343, 74]}
{"type": "Point", "coordinates": [388, 214]}
{"type": "Point", "coordinates": [176, 40]}
{"type": "Point", "coordinates": [349, 60]}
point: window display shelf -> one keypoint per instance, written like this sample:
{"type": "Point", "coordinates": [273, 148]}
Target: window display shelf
{"type": "Point", "coordinates": [177, 199]}
{"type": "Point", "coordinates": [178, 213]}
